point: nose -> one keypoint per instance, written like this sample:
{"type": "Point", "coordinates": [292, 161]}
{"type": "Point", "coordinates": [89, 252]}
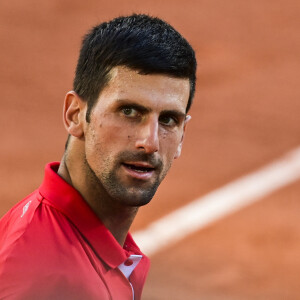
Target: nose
{"type": "Point", "coordinates": [147, 138]}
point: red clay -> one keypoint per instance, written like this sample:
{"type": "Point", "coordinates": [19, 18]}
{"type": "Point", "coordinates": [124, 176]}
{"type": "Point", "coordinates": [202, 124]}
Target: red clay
{"type": "Point", "coordinates": [246, 113]}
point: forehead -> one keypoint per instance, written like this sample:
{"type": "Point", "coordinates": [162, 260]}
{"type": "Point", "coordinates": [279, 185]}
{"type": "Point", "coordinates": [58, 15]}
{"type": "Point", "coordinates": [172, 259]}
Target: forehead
{"type": "Point", "coordinates": [155, 90]}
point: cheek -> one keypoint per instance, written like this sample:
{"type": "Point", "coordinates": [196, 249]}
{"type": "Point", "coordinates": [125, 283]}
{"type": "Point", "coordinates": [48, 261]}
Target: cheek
{"type": "Point", "coordinates": [113, 136]}
{"type": "Point", "coordinates": [169, 144]}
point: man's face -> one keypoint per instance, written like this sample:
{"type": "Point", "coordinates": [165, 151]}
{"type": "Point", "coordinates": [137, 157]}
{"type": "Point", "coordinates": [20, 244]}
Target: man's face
{"type": "Point", "coordinates": [134, 134]}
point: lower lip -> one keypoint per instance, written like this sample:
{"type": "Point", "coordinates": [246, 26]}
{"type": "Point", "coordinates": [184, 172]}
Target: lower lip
{"type": "Point", "coordinates": [138, 175]}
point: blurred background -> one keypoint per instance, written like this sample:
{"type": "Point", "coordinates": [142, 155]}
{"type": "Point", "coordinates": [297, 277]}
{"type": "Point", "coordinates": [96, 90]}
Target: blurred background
{"type": "Point", "coordinates": [245, 115]}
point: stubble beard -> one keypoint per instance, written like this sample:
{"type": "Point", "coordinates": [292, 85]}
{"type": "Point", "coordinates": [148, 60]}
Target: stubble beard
{"type": "Point", "coordinates": [136, 194]}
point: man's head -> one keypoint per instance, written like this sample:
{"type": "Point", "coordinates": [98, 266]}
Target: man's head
{"type": "Point", "coordinates": [139, 42]}
{"type": "Point", "coordinates": [134, 84]}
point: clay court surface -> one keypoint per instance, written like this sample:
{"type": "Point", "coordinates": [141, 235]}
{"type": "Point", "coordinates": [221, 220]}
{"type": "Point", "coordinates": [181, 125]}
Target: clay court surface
{"type": "Point", "coordinates": [245, 115]}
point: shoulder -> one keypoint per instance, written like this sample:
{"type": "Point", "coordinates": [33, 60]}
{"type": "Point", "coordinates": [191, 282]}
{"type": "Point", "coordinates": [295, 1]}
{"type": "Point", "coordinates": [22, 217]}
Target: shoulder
{"type": "Point", "coordinates": [33, 227]}
{"type": "Point", "coordinates": [36, 240]}
{"type": "Point", "coordinates": [16, 220]}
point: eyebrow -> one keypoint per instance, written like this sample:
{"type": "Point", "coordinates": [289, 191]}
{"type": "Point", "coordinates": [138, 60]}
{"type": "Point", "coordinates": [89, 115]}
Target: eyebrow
{"type": "Point", "coordinates": [133, 104]}
{"type": "Point", "coordinates": [175, 113]}
{"type": "Point", "coordinates": [145, 109]}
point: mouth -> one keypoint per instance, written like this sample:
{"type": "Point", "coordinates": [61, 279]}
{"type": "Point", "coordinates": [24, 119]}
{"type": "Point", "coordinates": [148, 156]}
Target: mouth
{"type": "Point", "coordinates": [139, 167]}
{"type": "Point", "coordinates": [139, 170]}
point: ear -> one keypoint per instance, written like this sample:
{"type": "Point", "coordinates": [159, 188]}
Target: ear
{"type": "Point", "coordinates": [178, 151]}
{"type": "Point", "coordinates": [74, 114]}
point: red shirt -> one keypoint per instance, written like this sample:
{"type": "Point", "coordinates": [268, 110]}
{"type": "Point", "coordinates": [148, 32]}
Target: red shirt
{"type": "Point", "coordinates": [53, 246]}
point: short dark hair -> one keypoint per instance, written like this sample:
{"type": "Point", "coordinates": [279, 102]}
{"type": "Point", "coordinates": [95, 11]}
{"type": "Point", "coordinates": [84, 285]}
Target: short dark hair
{"type": "Point", "coordinates": [139, 42]}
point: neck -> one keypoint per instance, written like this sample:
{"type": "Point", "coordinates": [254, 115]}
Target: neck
{"type": "Point", "coordinates": [117, 218]}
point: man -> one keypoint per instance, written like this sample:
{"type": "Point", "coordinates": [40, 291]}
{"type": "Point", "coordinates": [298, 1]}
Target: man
{"type": "Point", "coordinates": [126, 117]}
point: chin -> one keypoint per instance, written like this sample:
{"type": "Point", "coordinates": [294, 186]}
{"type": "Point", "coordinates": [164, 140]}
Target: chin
{"type": "Point", "coordinates": [129, 192]}
{"type": "Point", "coordinates": [134, 198]}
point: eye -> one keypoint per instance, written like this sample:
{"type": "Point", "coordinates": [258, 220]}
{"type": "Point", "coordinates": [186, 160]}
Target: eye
{"type": "Point", "coordinates": [168, 120]}
{"type": "Point", "coordinates": [129, 112]}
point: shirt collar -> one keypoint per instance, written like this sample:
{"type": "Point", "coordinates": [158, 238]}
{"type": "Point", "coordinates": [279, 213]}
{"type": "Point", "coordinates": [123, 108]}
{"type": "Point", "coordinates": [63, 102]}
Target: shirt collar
{"type": "Point", "coordinates": [68, 201]}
